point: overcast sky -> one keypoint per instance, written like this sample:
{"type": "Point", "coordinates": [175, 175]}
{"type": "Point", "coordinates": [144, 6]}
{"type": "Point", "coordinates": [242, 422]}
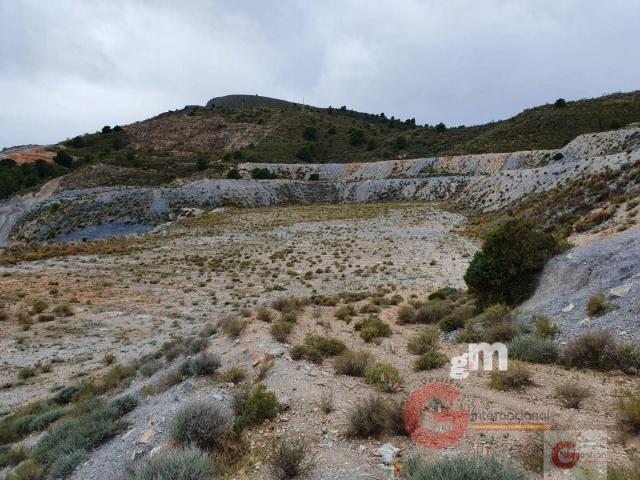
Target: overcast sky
{"type": "Point", "coordinates": [72, 66]}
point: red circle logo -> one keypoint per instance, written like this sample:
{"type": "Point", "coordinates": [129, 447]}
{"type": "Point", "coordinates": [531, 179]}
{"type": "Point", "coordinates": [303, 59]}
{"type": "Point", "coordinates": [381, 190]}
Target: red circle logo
{"type": "Point", "coordinates": [455, 420]}
{"type": "Point", "coordinates": [564, 455]}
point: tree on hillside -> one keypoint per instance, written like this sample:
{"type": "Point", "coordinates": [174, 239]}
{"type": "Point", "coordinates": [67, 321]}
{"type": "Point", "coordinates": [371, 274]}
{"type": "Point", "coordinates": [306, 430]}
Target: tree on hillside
{"type": "Point", "coordinates": [356, 137]}
{"type": "Point", "coordinates": [506, 269]}
{"type": "Point", "coordinates": [310, 133]}
{"type": "Point", "coordinates": [560, 103]}
{"type": "Point", "coordinates": [441, 127]}
{"type": "Point", "coordinates": [63, 158]}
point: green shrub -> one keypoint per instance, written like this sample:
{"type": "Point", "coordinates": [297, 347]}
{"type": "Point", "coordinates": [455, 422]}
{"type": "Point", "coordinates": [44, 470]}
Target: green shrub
{"type": "Point", "coordinates": [460, 468]}
{"type": "Point", "coordinates": [406, 314]}
{"type": "Point", "coordinates": [189, 463]}
{"type": "Point", "coordinates": [201, 365]}
{"type": "Point", "coordinates": [533, 349]}
{"type": "Point", "coordinates": [291, 458]}
{"type": "Point", "coordinates": [125, 404]}
{"type": "Point", "coordinates": [597, 305]}
{"type": "Point", "coordinates": [280, 330]}
{"type": "Point", "coordinates": [201, 423]}
{"type": "Point", "coordinates": [352, 363]}
{"type": "Point", "coordinates": [65, 394]}
{"type": "Point", "coordinates": [457, 318]}
{"type": "Point", "coordinates": [543, 327]}
{"type": "Point", "coordinates": [384, 377]}
{"type": "Point", "coordinates": [372, 328]}
{"type": "Point", "coordinates": [232, 326]}
{"type": "Point", "coordinates": [90, 424]}
{"type": "Point", "coordinates": [426, 340]}
{"type": "Point", "coordinates": [27, 372]}
{"type": "Point", "coordinates": [64, 465]}
{"type": "Point", "coordinates": [253, 406]}
{"type": "Point", "coordinates": [516, 377]}
{"type": "Point", "coordinates": [317, 348]}
{"type": "Point", "coordinates": [468, 335]}
{"type": "Point", "coordinates": [571, 395]}
{"type": "Point", "coordinates": [506, 269]}
{"type": "Point", "coordinates": [42, 421]}
{"type": "Point", "coordinates": [430, 360]}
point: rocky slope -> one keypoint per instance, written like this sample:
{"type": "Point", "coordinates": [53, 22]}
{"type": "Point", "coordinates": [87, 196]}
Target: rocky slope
{"type": "Point", "coordinates": [485, 182]}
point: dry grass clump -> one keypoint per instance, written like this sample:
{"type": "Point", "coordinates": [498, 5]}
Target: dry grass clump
{"type": "Point", "coordinates": [628, 404]}
{"type": "Point", "coordinates": [427, 339]}
{"type": "Point", "coordinates": [571, 395]}
{"type": "Point", "coordinates": [325, 402]}
{"type": "Point", "coordinates": [281, 330]}
{"type": "Point", "coordinates": [516, 377]}
{"type": "Point", "coordinates": [597, 305]}
{"type": "Point", "coordinates": [233, 375]}
{"type": "Point", "coordinates": [352, 363]}
{"type": "Point", "coordinates": [430, 360]}
{"type": "Point", "coordinates": [406, 314]}
{"type": "Point", "coordinates": [232, 326]}
{"type": "Point", "coordinates": [264, 314]}
{"type": "Point", "coordinates": [291, 458]}
{"type": "Point", "coordinates": [544, 327]}
{"type": "Point", "coordinates": [373, 416]}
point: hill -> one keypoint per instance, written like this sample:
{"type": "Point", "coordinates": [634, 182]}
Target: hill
{"type": "Point", "coordinates": [209, 141]}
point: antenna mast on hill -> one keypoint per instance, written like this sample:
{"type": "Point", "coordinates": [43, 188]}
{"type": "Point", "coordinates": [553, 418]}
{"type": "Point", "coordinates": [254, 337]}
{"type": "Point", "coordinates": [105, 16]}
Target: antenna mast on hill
{"type": "Point", "coordinates": [303, 103]}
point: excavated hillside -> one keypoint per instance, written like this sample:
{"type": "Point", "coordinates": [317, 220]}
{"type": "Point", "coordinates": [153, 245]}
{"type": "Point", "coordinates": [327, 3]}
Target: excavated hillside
{"type": "Point", "coordinates": [485, 182]}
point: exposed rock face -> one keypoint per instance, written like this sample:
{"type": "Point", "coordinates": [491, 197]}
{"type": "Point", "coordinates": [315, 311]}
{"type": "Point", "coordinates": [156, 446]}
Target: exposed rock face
{"type": "Point", "coordinates": [608, 266]}
{"type": "Point", "coordinates": [486, 182]}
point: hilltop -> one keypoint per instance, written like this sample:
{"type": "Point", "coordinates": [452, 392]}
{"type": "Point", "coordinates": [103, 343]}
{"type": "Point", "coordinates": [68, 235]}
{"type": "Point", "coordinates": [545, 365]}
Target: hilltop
{"type": "Point", "coordinates": [208, 141]}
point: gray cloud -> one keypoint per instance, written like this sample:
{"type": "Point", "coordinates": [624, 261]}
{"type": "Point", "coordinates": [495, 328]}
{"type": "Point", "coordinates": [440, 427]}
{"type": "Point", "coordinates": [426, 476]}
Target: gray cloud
{"type": "Point", "coordinates": [71, 66]}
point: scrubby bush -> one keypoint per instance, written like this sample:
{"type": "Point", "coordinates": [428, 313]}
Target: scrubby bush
{"type": "Point", "coordinates": [65, 394]}
{"type": "Point", "coordinates": [352, 363]}
{"type": "Point", "coordinates": [124, 404]}
{"type": "Point", "coordinates": [264, 314]}
{"type": "Point", "coordinates": [501, 332]}
{"type": "Point", "coordinates": [406, 314]}
{"type": "Point", "coordinates": [506, 269]}
{"type": "Point", "coordinates": [150, 367]}
{"type": "Point", "coordinates": [232, 326]}
{"type": "Point", "coordinates": [460, 468]}
{"type": "Point", "coordinates": [372, 328]}
{"type": "Point", "coordinates": [571, 394]}
{"type": "Point", "coordinates": [468, 335]}
{"type": "Point", "coordinates": [13, 456]}
{"type": "Point", "coordinates": [599, 350]}
{"type": "Point", "coordinates": [430, 360]}
{"type": "Point", "coordinates": [495, 315]}
{"type": "Point", "coordinates": [373, 416]}
{"type": "Point", "coordinates": [42, 421]}
{"type": "Point", "coordinates": [625, 472]}
{"type": "Point", "coordinates": [201, 365]}
{"type": "Point", "coordinates": [628, 404]}
{"type": "Point", "coordinates": [384, 377]}
{"type": "Point", "coordinates": [198, 344]}
{"type": "Point", "coordinates": [201, 423]}
{"type": "Point", "coordinates": [317, 348]}
{"type": "Point", "coordinates": [280, 330]}
{"type": "Point", "coordinates": [233, 375]}
{"type": "Point", "coordinates": [189, 463]}
{"type": "Point", "coordinates": [457, 318]}
{"type": "Point", "coordinates": [291, 458]}
{"type": "Point", "coordinates": [345, 312]}
{"type": "Point", "coordinates": [28, 470]}
{"type": "Point", "coordinates": [426, 340]}
{"type": "Point", "coordinates": [517, 376]}
{"type": "Point", "coordinates": [91, 423]}
{"type": "Point", "coordinates": [533, 349]}
{"type": "Point", "coordinates": [432, 311]}
{"type": "Point", "coordinates": [253, 406]}
{"type": "Point", "coordinates": [66, 463]}
{"type": "Point", "coordinates": [543, 327]}
{"type": "Point", "coordinates": [597, 305]}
